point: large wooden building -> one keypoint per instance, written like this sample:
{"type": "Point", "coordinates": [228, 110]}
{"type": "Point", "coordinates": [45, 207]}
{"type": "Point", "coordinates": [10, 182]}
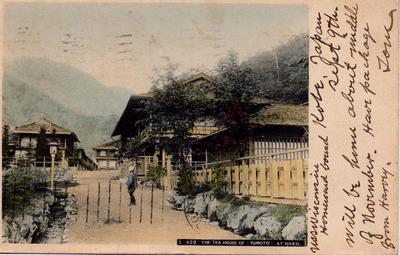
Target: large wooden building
{"type": "Point", "coordinates": [267, 160]}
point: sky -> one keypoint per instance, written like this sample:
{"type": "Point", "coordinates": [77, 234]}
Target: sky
{"type": "Point", "coordinates": [123, 44]}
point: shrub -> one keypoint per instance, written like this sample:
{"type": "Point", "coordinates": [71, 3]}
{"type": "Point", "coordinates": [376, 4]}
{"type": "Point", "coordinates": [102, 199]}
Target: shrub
{"type": "Point", "coordinates": [236, 201]}
{"type": "Point", "coordinates": [20, 186]}
{"type": "Point", "coordinates": [218, 183]}
{"type": "Point", "coordinates": [155, 174]}
{"type": "Point", "coordinates": [185, 185]}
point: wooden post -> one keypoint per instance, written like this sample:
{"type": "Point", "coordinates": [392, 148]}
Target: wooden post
{"type": "Point", "coordinates": [23, 205]}
{"type": "Point", "coordinates": [109, 201]}
{"type": "Point", "coordinates": [44, 200]}
{"type": "Point", "coordinates": [14, 195]}
{"type": "Point", "coordinates": [98, 203]}
{"type": "Point", "coordinates": [151, 204]}
{"type": "Point", "coordinates": [130, 214]}
{"type": "Point", "coordinates": [162, 202]}
{"type": "Point", "coordinates": [141, 205]}
{"type": "Point", "coordinates": [120, 196]}
{"type": "Point", "coordinates": [52, 173]}
{"type": "Point", "coordinates": [87, 205]}
{"type": "Point", "coordinates": [77, 213]}
{"type": "Point", "coordinates": [206, 152]}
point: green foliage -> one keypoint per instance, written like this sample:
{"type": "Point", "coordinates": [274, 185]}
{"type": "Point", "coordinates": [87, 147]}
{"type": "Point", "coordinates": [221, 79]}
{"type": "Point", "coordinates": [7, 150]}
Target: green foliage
{"type": "Point", "coordinates": [41, 147]}
{"type": "Point", "coordinates": [235, 87]}
{"type": "Point", "coordinates": [174, 109]}
{"type": "Point", "coordinates": [204, 187]}
{"type": "Point", "coordinates": [185, 185]}
{"type": "Point", "coordinates": [20, 185]}
{"type": "Point", "coordinates": [218, 181]}
{"type": "Point", "coordinates": [292, 58]}
{"type": "Point", "coordinates": [284, 213]}
{"type": "Point", "coordinates": [155, 174]}
{"type": "Point", "coordinates": [236, 201]}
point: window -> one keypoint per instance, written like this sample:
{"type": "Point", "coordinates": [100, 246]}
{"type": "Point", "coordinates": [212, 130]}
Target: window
{"type": "Point", "coordinates": [102, 153]}
{"type": "Point", "coordinates": [280, 172]}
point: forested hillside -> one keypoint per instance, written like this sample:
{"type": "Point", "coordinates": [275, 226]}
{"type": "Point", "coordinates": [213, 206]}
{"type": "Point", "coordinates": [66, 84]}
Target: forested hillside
{"type": "Point", "coordinates": [292, 60]}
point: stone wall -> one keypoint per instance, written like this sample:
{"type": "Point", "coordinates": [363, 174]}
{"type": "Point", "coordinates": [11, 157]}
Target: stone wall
{"type": "Point", "coordinates": [39, 224]}
{"type": "Point", "coordinates": [255, 221]}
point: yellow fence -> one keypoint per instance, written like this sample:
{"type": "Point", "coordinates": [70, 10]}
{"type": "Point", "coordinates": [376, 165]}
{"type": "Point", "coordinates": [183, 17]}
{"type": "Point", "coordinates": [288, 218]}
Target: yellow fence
{"type": "Point", "coordinates": [277, 182]}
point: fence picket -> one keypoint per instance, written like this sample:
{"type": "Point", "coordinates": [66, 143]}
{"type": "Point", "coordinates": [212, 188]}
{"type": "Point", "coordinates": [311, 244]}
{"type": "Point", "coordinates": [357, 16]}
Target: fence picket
{"type": "Point", "coordinates": [141, 205]}
{"type": "Point", "coordinates": [151, 204]}
{"type": "Point", "coordinates": [109, 201]}
{"type": "Point", "coordinates": [98, 203]}
{"type": "Point", "coordinates": [87, 205]}
{"type": "Point", "coordinates": [120, 199]}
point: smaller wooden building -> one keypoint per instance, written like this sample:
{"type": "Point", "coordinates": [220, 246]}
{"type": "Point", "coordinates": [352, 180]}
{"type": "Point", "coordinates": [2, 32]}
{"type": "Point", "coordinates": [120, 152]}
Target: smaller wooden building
{"type": "Point", "coordinates": [106, 155]}
{"type": "Point", "coordinates": [25, 140]}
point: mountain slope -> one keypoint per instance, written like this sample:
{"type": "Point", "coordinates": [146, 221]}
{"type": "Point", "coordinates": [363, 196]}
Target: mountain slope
{"type": "Point", "coordinates": [292, 59]}
{"type": "Point", "coordinates": [22, 104]}
{"type": "Point", "coordinates": [68, 86]}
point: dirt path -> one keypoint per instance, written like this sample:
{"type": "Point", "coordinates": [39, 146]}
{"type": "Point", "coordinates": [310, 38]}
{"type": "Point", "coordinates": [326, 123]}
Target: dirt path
{"type": "Point", "coordinates": [162, 226]}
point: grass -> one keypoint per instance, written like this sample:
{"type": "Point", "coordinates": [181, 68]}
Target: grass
{"type": "Point", "coordinates": [235, 201]}
{"type": "Point", "coordinates": [284, 213]}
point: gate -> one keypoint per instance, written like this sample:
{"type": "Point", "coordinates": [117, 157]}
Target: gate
{"type": "Point", "coordinates": [108, 202]}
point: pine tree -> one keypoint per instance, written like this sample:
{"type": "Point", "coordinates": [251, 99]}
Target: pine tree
{"type": "Point", "coordinates": [41, 148]}
{"type": "Point", "coordinates": [5, 146]}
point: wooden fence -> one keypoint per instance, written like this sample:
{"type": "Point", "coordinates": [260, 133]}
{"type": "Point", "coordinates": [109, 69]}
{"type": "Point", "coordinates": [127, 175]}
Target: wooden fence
{"type": "Point", "coordinates": [282, 178]}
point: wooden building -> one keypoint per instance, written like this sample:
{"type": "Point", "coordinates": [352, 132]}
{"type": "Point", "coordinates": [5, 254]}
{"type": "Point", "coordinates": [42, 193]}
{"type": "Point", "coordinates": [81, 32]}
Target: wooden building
{"type": "Point", "coordinates": [270, 161]}
{"type": "Point", "coordinates": [267, 159]}
{"type": "Point", "coordinates": [139, 146]}
{"type": "Point", "coordinates": [25, 138]}
{"type": "Point", "coordinates": [106, 155]}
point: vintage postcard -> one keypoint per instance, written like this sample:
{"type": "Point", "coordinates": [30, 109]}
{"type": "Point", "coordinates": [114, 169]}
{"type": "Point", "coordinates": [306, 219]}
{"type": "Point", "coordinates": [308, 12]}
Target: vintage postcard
{"type": "Point", "coordinates": [200, 127]}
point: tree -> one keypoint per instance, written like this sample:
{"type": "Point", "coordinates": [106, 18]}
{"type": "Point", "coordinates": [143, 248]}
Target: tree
{"type": "Point", "coordinates": [235, 89]}
{"type": "Point", "coordinates": [177, 106]}
{"type": "Point", "coordinates": [155, 174]}
{"type": "Point", "coordinates": [5, 146]}
{"type": "Point", "coordinates": [41, 147]}
{"type": "Point", "coordinates": [236, 96]}
{"type": "Point", "coordinates": [174, 110]}
{"type": "Point", "coordinates": [292, 60]}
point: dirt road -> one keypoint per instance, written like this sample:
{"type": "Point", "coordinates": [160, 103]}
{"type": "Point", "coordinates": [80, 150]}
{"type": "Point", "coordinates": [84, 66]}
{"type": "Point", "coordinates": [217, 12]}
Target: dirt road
{"type": "Point", "coordinates": [162, 225]}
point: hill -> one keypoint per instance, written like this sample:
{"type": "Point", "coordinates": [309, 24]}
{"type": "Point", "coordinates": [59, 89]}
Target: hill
{"type": "Point", "coordinates": [292, 59]}
{"type": "Point", "coordinates": [68, 86]}
{"type": "Point", "coordinates": [90, 111]}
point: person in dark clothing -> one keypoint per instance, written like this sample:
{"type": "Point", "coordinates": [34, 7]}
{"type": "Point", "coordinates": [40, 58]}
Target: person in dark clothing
{"type": "Point", "coordinates": [132, 184]}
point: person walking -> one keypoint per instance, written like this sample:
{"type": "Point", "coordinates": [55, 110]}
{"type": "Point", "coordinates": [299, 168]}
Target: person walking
{"type": "Point", "coordinates": [132, 184]}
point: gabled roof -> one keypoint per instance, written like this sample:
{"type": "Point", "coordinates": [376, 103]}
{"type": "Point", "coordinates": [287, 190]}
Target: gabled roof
{"type": "Point", "coordinates": [281, 114]}
{"type": "Point", "coordinates": [50, 127]}
{"type": "Point", "coordinates": [133, 112]}
{"type": "Point", "coordinates": [272, 115]}
{"type": "Point", "coordinates": [196, 77]}
{"type": "Point", "coordinates": [42, 123]}
{"type": "Point", "coordinates": [107, 146]}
